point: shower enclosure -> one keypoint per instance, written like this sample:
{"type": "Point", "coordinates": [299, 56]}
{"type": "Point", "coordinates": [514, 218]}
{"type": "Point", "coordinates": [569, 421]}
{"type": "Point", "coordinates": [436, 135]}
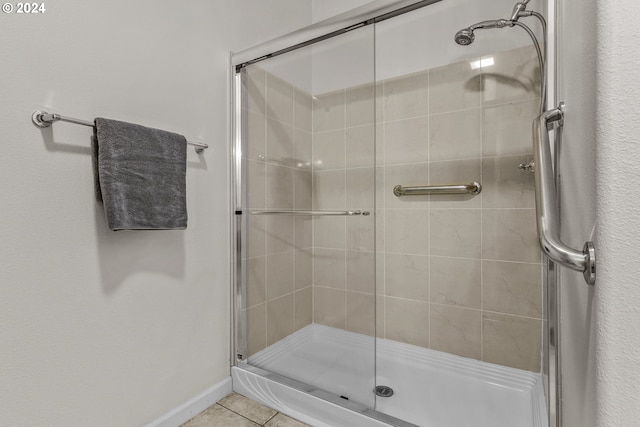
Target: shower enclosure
{"type": "Point", "coordinates": [387, 262]}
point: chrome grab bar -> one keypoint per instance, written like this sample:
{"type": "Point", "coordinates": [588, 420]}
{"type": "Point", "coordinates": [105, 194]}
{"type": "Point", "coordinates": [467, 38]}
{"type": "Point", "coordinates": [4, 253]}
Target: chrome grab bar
{"type": "Point", "coordinates": [473, 188]}
{"type": "Point", "coordinates": [546, 202]}
{"type": "Point", "coordinates": [312, 213]}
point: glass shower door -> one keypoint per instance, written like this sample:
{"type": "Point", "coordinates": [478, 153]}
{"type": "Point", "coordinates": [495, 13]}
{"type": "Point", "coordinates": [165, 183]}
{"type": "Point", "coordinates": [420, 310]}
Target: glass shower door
{"type": "Point", "coordinates": [459, 275]}
{"type": "Point", "coordinates": [307, 217]}
{"type": "Point", "coordinates": [426, 308]}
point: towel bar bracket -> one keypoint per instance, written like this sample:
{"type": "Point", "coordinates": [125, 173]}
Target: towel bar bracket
{"type": "Point", "coordinates": [37, 119]}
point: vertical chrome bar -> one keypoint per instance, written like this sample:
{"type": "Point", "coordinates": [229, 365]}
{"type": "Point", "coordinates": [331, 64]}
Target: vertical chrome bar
{"type": "Point", "coordinates": [547, 207]}
{"type": "Point", "coordinates": [551, 368]}
{"type": "Point", "coordinates": [239, 314]}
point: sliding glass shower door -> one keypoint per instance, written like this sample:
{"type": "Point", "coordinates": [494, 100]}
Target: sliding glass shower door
{"type": "Point", "coordinates": [356, 285]}
{"type": "Point", "coordinates": [460, 273]}
{"type": "Point", "coordinates": [307, 217]}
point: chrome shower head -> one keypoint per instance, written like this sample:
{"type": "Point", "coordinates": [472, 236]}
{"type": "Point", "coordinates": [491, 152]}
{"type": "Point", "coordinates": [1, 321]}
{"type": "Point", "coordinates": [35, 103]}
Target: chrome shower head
{"type": "Point", "coordinates": [464, 37]}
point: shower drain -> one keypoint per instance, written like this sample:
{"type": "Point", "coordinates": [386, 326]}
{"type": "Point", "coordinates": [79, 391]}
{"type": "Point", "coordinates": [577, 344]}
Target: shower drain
{"type": "Point", "coordinates": [383, 391]}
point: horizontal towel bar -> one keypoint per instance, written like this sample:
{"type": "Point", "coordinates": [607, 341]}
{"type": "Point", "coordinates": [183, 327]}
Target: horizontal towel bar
{"type": "Point", "coordinates": [547, 204]}
{"type": "Point", "coordinates": [44, 119]}
{"type": "Point", "coordinates": [312, 213]}
{"type": "Point", "coordinates": [473, 188]}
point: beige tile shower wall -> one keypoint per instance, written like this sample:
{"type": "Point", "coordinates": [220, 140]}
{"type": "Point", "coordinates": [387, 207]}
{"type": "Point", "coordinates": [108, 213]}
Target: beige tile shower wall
{"type": "Point", "coordinates": [277, 156]}
{"type": "Point", "coordinates": [343, 179]}
{"type": "Point", "coordinates": [459, 274]}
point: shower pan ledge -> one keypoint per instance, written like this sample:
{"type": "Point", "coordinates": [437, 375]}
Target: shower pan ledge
{"type": "Point", "coordinates": [432, 388]}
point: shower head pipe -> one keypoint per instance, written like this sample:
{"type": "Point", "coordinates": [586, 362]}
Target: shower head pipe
{"type": "Point", "coordinates": [518, 9]}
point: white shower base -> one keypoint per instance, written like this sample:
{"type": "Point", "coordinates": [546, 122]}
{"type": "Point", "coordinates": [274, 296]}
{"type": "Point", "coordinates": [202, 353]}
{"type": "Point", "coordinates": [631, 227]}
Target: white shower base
{"type": "Point", "coordinates": [431, 388]}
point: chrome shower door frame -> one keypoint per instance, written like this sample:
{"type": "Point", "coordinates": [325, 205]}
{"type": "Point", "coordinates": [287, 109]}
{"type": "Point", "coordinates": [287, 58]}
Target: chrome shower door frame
{"type": "Point", "coordinates": [238, 278]}
{"type": "Point", "coordinates": [551, 366]}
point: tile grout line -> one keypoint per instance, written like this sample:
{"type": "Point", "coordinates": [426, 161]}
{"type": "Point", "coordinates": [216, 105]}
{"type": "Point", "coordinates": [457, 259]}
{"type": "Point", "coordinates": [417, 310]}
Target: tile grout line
{"type": "Point", "coordinates": [481, 217]}
{"type": "Point", "coordinates": [313, 219]}
{"type": "Point", "coordinates": [429, 326]}
{"type": "Point", "coordinates": [266, 189]}
{"type": "Point", "coordinates": [382, 209]}
{"type": "Point", "coordinates": [262, 424]}
{"type": "Point", "coordinates": [239, 414]}
{"type": "Point", "coordinates": [346, 190]}
{"type": "Point", "coordinates": [272, 417]}
{"type": "Point", "coordinates": [295, 187]}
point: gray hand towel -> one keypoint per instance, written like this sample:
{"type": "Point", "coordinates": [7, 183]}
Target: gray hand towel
{"type": "Point", "coordinates": [141, 173]}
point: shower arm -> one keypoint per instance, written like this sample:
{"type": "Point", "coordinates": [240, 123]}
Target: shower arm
{"type": "Point", "coordinates": [546, 202]}
{"type": "Point", "coordinates": [519, 9]}
{"type": "Point", "coordinates": [497, 23]}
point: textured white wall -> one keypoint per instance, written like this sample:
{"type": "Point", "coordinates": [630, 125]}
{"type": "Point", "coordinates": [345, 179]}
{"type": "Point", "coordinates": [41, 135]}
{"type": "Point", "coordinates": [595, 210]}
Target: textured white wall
{"type": "Point", "coordinates": [576, 80]}
{"type": "Point", "coordinates": [103, 328]}
{"type": "Point", "coordinates": [600, 83]}
{"type": "Point", "coordinates": [618, 211]}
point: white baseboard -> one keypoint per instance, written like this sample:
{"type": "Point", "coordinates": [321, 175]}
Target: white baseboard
{"type": "Point", "coordinates": [193, 407]}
